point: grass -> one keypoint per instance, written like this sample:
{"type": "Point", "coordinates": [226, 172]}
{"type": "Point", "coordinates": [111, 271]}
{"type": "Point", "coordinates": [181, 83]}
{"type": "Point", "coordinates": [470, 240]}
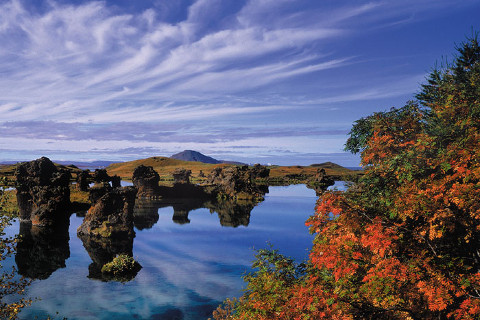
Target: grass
{"type": "Point", "coordinates": [165, 166]}
{"type": "Point", "coordinates": [9, 206]}
{"type": "Point", "coordinates": [279, 175]}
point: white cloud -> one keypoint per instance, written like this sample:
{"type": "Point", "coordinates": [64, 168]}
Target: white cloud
{"type": "Point", "coordinates": [77, 59]}
{"type": "Point", "coordinates": [217, 61]}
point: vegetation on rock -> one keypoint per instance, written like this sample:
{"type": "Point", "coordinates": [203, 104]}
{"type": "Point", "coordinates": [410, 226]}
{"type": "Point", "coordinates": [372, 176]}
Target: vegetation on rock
{"type": "Point", "coordinates": [403, 243]}
{"type": "Point", "coordinates": [121, 268]}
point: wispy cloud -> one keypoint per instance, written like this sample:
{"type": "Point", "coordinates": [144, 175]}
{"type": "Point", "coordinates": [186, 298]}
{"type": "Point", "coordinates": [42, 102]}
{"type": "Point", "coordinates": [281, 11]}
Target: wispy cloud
{"type": "Point", "coordinates": [156, 75]}
{"type": "Point", "coordinates": [86, 59]}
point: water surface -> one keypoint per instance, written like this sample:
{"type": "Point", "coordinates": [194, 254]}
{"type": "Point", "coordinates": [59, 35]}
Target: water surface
{"type": "Point", "coordinates": [189, 267]}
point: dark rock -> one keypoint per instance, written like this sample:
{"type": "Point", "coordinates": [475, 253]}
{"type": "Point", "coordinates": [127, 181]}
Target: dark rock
{"type": "Point", "coordinates": [98, 190]}
{"type": "Point", "coordinates": [116, 181]}
{"type": "Point", "coordinates": [236, 182]}
{"type": "Point", "coordinates": [102, 251]}
{"type": "Point", "coordinates": [260, 171]}
{"type": "Point", "coordinates": [41, 251]}
{"type": "Point", "coordinates": [111, 216]}
{"type": "Point", "coordinates": [146, 179]}
{"type": "Point", "coordinates": [101, 175]}
{"type": "Point", "coordinates": [201, 174]}
{"type": "Point", "coordinates": [83, 180]}
{"type": "Point", "coordinates": [321, 181]}
{"type": "Point", "coordinates": [43, 193]}
{"type": "Point", "coordinates": [181, 176]}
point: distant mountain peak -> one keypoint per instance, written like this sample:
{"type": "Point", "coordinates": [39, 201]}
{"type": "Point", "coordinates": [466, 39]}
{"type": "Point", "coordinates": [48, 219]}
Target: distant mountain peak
{"type": "Point", "coordinates": [191, 155]}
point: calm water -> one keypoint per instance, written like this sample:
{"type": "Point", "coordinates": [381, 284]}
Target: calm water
{"type": "Point", "coordinates": [189, 267]}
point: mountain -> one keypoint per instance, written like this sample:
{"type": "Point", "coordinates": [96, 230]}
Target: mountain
{"type": "Point", "coordinates": [87, 165]}
{"type": "Point", "coordinates": [190, 155]}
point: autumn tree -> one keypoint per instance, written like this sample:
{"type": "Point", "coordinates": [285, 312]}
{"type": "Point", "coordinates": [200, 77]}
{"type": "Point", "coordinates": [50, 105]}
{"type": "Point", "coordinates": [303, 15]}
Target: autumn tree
{"type": "Point", "coordinates": [404, 242]}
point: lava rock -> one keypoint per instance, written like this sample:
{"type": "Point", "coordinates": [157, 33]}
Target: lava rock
{"type": "Point", "coordinates": [111, 216]}
{"type": "Point", "coordinates": [146, 179]}
{"type": "Point", "coordinates": [43, 193]}
{"type": "Point", "coordinates": [181, 176]}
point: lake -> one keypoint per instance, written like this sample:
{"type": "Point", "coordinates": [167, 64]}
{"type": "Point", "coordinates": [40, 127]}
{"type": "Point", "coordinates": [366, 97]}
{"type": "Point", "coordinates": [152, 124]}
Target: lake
{"type": "Point", "coordinates": [192, 258]}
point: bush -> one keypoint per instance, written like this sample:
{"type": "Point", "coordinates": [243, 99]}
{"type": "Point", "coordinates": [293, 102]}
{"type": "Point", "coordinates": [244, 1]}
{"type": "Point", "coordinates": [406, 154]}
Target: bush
{"type": "Point", "coordinates": [121, 267]}
{"type": "Point", "coordinates": [404, 242]}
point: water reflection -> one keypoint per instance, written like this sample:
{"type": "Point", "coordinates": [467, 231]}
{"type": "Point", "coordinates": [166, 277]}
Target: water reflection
{"type": "Point", "coordinates": [102, 251]}
{"type": "Point", "coordinates": [41, 251]}
{"type": "Point", "coordinates": [187, 269]}
{"type": "Point", "coordinates": [231, 213]}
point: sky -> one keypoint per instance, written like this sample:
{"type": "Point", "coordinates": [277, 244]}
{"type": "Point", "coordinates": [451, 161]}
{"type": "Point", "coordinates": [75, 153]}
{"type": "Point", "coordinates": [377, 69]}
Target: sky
{"type": "Point", "coordinates": [257, 81]}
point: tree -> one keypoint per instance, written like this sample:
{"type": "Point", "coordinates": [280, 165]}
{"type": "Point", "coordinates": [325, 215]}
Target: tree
{"type": "Point", "coordinates": [10, 284]}
{"type": "Point", "coordinates": [404, 242]}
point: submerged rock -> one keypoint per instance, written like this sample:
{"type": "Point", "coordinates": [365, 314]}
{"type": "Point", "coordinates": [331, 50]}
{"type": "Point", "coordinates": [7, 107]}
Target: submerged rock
{"type": "Point", "coordinates": [43, 193]}
{"type": "Point", "coordinates": [111, 216]}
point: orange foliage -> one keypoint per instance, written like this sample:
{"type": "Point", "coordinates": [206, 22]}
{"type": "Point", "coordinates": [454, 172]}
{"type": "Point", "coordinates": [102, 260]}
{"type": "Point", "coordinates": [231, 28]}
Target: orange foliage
{"type": "Point", "coordinates": [404, 242]}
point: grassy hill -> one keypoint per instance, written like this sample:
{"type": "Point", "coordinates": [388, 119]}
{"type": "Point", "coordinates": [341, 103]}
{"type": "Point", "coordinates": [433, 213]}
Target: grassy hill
{"type": "Point", "coordinates": [165, 166]}
{"type": "Point", "coordinates": [302, 173]}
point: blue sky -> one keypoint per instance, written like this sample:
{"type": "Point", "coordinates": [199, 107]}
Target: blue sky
{"type": "Point", "coordinates": [269, 81]}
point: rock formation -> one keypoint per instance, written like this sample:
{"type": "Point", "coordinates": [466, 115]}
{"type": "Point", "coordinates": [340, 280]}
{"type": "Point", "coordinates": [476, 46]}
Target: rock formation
{"type": "Point", "coordinates": [237, 182]}
{"type": "Point", "coordinates": [83, 180]}
{"type": "Point", "coordinates": [101, 175]}
{"type": "Point", "coordinates": [43, 192]}
{"type": "Point", "coordinates": [98, 190]}
{"type": "Point", "coordinates": [111, 216]}
{"type": "Point", "coordinates": [116, 181]}
{"type": "Point", "coordinates": [145, 179]}
{"type": "Point", "coordinates": [259, 171]}
{"type": "Point", "coordinates": [181, 176]}
{"type": "Point", "coordinates": [321, 181]}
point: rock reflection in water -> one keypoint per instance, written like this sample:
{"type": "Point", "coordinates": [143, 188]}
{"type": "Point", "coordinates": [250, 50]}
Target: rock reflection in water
{"type": "Point", "coordinates": [231, 213]}
{"type": "Point", "coordinates": [41, 251]}
{"type": "Point", "coordinates": [102, 251]}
